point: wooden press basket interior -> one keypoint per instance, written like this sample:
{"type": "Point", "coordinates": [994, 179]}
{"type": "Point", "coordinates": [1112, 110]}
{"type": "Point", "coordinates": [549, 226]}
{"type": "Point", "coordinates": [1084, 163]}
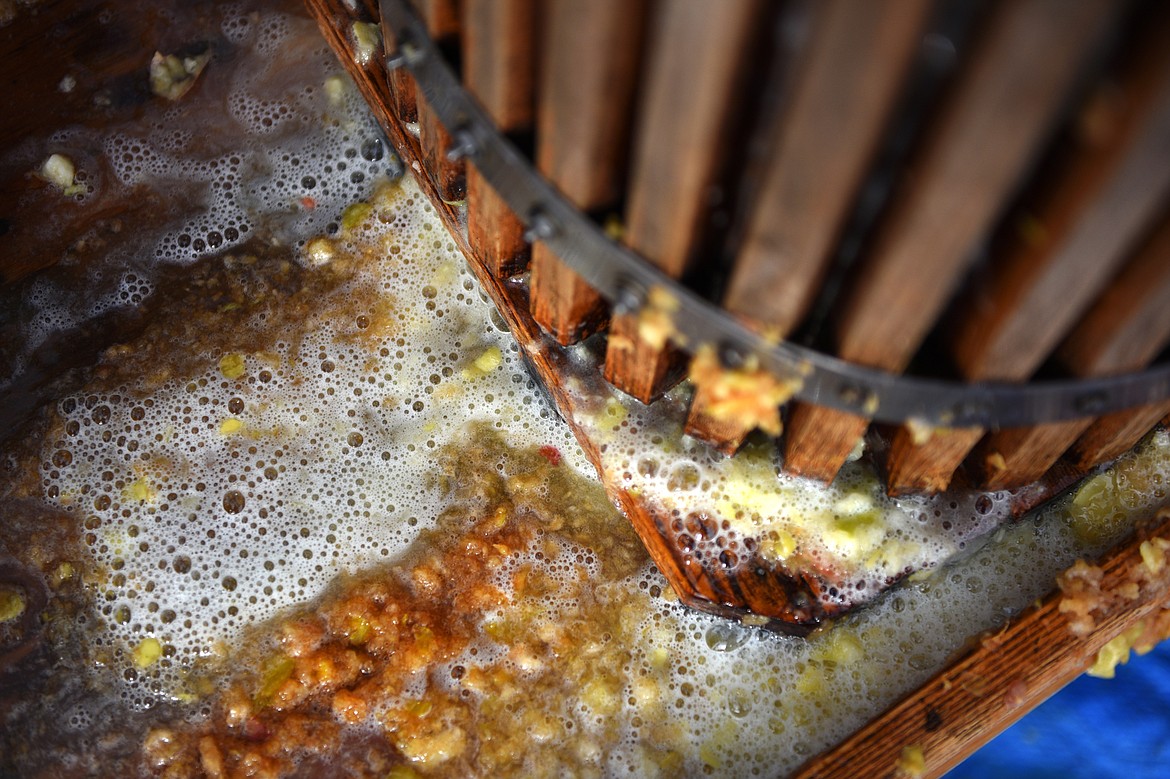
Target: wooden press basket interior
{"type": "Point", "coordinates": [972, 191]}
{"type": "Point", "coordinates": [969, 191]}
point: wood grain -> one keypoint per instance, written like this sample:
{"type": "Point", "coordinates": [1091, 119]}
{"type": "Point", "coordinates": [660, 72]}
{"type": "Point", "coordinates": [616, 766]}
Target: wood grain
{"type": "Point", "coordinates": [1017, 456]}
{"type": "Point", "coordinates": [1135, 310]}
{"type": "Point", "coordinates": [499, 69]}
{"type": "Point", "coordinates": [999, 113]}
{"type": "Point", "coordinates": [1129, 324]}
{"type": "Point", "coordinates": [499, 59]}
{"type": "Point", "coordinates": [817, 440]}
{"type": "Point", "coordinates": [850, 69]}
{"type": "Point", "coordinates": [997, 681]}
{"type": "Point", "coordinates": [1124, 331]}
{"type": "Point", "coordinates": [402, 89]}
{"type": "Point", "coordinates": [584, 111]}
{"type": "Point", "coordinates": [1112, 435]}
{"type": "Point", "coordinates": [694, 82]}
{"type": "Point", "coordinates": [914, 466]}
{"type": "Point", "coordinates": [450, 176]}
{"type": "Point", "coordinates": [441, 18]}
{"type": "Point", "coordinates": [850, 73]}
{"type": "Point", "coordinates": [994, 121]}
{"type": "Point", "coordinates": [1110, 194]}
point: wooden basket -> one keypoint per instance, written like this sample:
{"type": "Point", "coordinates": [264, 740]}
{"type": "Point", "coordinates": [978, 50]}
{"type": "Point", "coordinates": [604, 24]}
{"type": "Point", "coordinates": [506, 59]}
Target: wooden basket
{"type": "Point", "coordinates": [972, 191]}
{"type": "Point", "coordinates": [963, 190]}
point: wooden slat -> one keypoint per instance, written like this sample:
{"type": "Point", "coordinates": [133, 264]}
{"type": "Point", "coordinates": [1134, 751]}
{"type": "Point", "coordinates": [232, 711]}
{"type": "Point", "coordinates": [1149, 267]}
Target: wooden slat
{"type": "Point", "coordinates": [1112, 435]}
{"type": "Point", "coordinates": [1000, 110]}
{"type": "Point", "coordinates": [440, 16]}
{"type": "Point", "coordinates": [499, 58]}
{"type": "Point", "coordinates": [998, 115]}
{"type": "Point", "coordinates": [999, 680]}
{"type": "Point", "coordinates": [1124, 331]}
{"type": "Point", "coordinates": [499, 40]}
{"type": "Point", "coordinates": [1137, 306]}
{"type": "Point", "coordinates": [1097, 209]}
{"type": "Point", "coordinates": [693, 86]}
{"type": "Point", "coordinates": [851, 67]}
{"type": "Point", "coordinates": [1114, 190]}
{"type": "Point", "coordinates": [442, 21]}
{"type": "Point", "coordinates": [914, 465]}
{"type": "Point", "coordinates": [449, 176]}
{"type": "Point", "coordinates": [1130, 324]}
{"type": "Point", "coordinates": [854, 62]}
{"type": "Point", "coordinates": [1018, 456]}
{"type": "Point", "coordinates": [402, 89]}
{"type": "Point", "coordinates": [589, 57]}
{"type": "Point", "coordinates": [818, 440]}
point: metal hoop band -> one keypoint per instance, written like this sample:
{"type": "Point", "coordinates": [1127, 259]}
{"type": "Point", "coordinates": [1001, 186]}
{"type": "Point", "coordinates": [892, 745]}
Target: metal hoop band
{"type": "Point", "coordinates": [621, 276]}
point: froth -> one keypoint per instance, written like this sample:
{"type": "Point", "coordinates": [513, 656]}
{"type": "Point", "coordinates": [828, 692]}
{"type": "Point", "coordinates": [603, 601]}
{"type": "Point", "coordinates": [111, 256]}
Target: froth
{"type": "Point", "coordinates": [733, 512]}
{"type": "Point", "coordinates": [217, 499]}
{"type": "Point", "coordinates": [306, 151]}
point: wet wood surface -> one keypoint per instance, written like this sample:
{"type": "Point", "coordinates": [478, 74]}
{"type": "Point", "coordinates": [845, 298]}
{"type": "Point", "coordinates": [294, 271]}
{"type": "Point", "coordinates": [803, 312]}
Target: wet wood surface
{"type": "Point", "coordinates": [450, 174]}
{"type": "Point", "coordinates": [1004, 103]}
{"type": "Point", "coordinates": [499, 54]}
{"type": "Point", "coordinates": [1002, 677]}
{"type": "Point", "coordinates": [1112, 435]}
{"type": "Point", "coordinates": [693, 87]}
{"type": "Point", "coordinates": [583, 116]}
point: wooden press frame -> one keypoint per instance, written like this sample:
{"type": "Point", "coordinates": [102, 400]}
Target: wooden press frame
{"type": "Point", "coordinates": [998, 679]}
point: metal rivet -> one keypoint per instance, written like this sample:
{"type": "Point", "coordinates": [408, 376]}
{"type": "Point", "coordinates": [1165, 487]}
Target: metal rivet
{"type": "Point", "coordinates": [1091, 403]}
{"type": "Point", "coordinates": [408, 53]}
{"type": "Point", "coordinates": [970, 412]}
{"type": "Point", "coordinates": [462, 145]}
{"type": "Point", "coordinates": [540, 227]}
{"type": "Point", "coordinates": [939, 51]}
{"type": "Point", "coordinates": [731, 355]}
{"type": "Point", "coordinates": [630, 297]}
{"type": "Point", "coordinates": [851, 394]}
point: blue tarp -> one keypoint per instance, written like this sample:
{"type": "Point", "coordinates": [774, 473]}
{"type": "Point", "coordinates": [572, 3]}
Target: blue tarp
{"type": "Point", "coordinates": [1091, 729]}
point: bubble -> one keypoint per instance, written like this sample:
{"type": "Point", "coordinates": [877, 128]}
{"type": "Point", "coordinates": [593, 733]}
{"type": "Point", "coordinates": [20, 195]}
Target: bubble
{"type": "Point", "coordinates": [233, 502]}
{"type": "Point", "coordinates": [725, 637]}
